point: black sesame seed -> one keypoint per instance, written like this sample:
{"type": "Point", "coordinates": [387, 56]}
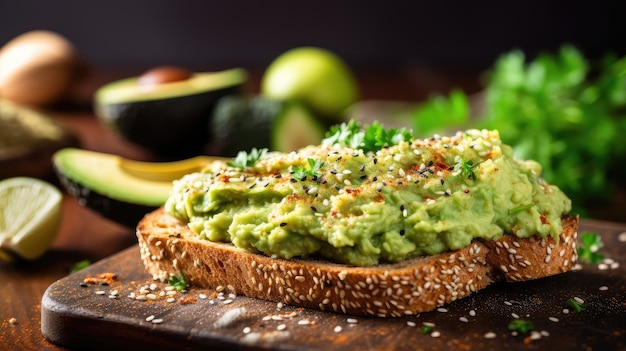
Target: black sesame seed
{"type": "Point", "coordinates": [293, 180]}
{"type": "Point", "coordinates": [375, 160]}
{"type": "Point", "coordinates": [252, 186]}
{"type": "Point", "coordinates": [314, 208]}
{"type": "Point", "coordinates": [401, 231]}
{"type": "Point", "coordinates": [384, 183]}
{"type": "Point", "coordinates": [283, 224]}
{"type": "Point", "coordinates": [278, 176]}
{"type": "Point", "coordinates": [363, 176]}
{"type": "Point", "coordinates": [375, 178]}
{"type": "Point", "coordinates": [442, 181]}
{"type": "Point", "coordinates": [362, 168]}
{"type": "Point", "coordinates": [83, 284]}
{"type": "Point", "coordinates": [430, 163]}
{"type": "Point", "coordinates": [402, 207]}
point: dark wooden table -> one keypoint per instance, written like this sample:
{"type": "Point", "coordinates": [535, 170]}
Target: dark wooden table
{"type": "Point", "coordinates": [85, 235]}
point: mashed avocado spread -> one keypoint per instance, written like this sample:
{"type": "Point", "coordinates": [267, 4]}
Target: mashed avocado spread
{"type": "Point", "coordinates": [364, 207]}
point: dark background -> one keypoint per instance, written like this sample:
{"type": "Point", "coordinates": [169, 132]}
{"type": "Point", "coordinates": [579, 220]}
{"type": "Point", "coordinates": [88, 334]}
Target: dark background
{"type": "Point", "coordinates": [464, 35]}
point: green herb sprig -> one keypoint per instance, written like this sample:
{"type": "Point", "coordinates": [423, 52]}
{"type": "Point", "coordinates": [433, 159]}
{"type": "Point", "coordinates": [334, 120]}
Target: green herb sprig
{"type": "Point", "coordinates": [466, 169]}
{"type": "Point", "coordinates": [178, 282]}
{"type": "Point", "coordinates": [80, 265]}
{"type": "Point", "coordinates": [371, 137]}
{"type": "Point", "coordinates": [315, 165]}
{"type": "Point", "coordinates": [577, 306]}
{"type": "Point", "coordinates": [245, 160]}
{"type": "Point", "coordinates": [590, 243]}
{"type": "Point", "coordinates": [521, 326]}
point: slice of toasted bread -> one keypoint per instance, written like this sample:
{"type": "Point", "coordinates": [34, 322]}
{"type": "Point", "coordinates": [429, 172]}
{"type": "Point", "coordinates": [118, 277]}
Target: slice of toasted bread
{"type": "Point", "coordinates": [168, 247]}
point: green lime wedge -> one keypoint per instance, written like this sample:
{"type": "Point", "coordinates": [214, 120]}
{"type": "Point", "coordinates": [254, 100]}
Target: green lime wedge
{"type": "Point", "coordinates": [30, 215]}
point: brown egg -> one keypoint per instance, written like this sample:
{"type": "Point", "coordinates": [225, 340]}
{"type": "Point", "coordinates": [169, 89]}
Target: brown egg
{"type": "Point", "coordinates": [37, 68]}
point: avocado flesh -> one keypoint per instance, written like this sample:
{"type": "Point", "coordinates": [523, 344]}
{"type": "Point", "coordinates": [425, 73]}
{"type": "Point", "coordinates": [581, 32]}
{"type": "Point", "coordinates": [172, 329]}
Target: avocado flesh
{"type": "Point", "coordinates": [120, 189]}
{"type": "Point", "coordinates": [169, 119]}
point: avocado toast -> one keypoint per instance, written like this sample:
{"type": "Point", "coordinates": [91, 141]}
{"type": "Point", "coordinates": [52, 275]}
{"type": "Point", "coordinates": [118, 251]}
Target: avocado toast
{"type": "Point", "coordinates": [371, 222]}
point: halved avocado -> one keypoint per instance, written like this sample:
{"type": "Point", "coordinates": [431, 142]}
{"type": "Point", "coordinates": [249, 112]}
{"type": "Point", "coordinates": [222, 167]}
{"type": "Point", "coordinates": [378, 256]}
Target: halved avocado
{"type": "Point", "coordinates": [169, 118]}
{"type": "Point", "coordinates": [117, 188]}
{"type": "Point", "coordinates": [28, 139]}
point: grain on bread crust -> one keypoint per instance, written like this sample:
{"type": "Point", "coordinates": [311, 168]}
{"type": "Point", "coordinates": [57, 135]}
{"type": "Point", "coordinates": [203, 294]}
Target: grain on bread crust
{"type": "Point", "coordinates": [168, 247]}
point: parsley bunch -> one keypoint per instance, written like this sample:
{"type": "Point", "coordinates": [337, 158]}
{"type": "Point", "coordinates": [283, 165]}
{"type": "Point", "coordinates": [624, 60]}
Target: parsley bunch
{"type": "Point", "coordinates": [559, 109]}
{"type": "Point", "coordinates": [371, 137]}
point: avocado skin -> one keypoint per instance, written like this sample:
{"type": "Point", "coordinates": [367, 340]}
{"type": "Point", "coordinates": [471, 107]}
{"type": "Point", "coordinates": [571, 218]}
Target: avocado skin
{"type": "Point", "coordinates": [171, 128]}
{"type": "Point", "coordinates": [240, 123]}
{"type": "Point", "coordinates": [124, 213]}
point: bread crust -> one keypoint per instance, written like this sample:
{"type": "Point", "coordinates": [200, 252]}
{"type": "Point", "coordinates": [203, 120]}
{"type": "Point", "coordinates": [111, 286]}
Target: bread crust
{"type": "Point", "coordinates": [168, 247]}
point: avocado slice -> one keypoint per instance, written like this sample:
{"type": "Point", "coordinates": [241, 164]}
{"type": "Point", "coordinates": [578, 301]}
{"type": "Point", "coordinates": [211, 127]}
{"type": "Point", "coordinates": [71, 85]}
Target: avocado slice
{"type": "Point", "coordinates": [171, 118]}
{"type": "Point", "coordinates": [117, 188]}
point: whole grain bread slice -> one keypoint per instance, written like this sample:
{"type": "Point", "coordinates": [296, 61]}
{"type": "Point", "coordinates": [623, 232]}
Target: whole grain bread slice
{"type": "Point", "coordinates": [168, 247]}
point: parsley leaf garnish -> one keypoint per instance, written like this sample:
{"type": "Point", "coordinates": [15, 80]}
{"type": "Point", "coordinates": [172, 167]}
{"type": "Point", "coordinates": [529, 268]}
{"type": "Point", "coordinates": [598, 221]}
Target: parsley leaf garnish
{"type": "Point", "coordinates": [589, 246]}
{"type": "Point", "coordinates": [427, 329]}
{"type": "Point", "coordinates": [315, 165]}
{"type": "Point", "coordinates": [178, 282]}
{"type": "Point", "coordinates": [466, 168]}
{"type": "Point", "coordinates": [372, 137]}
{"type": "Point", "coordinates": [245, 160]}
{"type": "Point", "coordinates": [521, 325]}
{"type": "Point", "coordinates": [80, 265]}
{"type": "Point", "coordinates": [577, 306]}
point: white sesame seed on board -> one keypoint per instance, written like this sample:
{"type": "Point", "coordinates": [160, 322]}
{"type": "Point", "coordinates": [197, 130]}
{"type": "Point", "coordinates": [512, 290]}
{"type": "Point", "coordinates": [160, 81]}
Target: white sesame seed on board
{"type": "Point", "coordinates": [603, 288]}
{"type": "Point", "coordinates": [490, 335]}
{"type": "Point", "coordinates": [157, 321]}
{"type": "Point", "coordinates": [553, 319]}
{"type": "Point", "coordinates": [246, 330]}
{"type": "Point", "coordinates": [338, 329]}
{"type": "Point", "coordinates": [622, 237]}
{"type": "Point", "coordinates": [149, 318]}
{"type": "Point", "coordinates": [435, 334]}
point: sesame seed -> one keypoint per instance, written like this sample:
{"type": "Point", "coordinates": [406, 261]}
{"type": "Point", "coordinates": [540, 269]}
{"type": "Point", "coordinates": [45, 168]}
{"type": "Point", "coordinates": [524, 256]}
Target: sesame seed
{"type": "Point", "coordinates": [463, 319]}
{"type": "Point", "coordinates": [157, 321]}
{"type": "Point", "coordinates": [338, 329]}
{"type": "Point", "coordinates": [579, 300]}
{"type": "Point", "coordinates": [246, 330]}
{"type": "Point", "coordinates": [281, 327]}
{"type": "Point", "coordinates": [411, 323]}
{"type": "Point", "coordinates": [472, 313]}
{"type": "Point", "coordinates": [553, 319]}
{"type": "Point", "coordinates": [490, 335]}
{"type": "Point", "coordinates": [603, 288]}
{"type": "Point", "coordinates": [435, 334]}
{"type": "Point", "coordinates": [12, 320]}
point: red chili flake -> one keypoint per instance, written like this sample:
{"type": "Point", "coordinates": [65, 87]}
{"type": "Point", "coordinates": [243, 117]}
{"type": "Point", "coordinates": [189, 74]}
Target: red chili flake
{"type": "Point", "coordinates": [188, 300]}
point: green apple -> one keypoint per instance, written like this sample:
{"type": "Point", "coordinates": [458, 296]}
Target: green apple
{"type": "Point", "coordinates": [314, 76]}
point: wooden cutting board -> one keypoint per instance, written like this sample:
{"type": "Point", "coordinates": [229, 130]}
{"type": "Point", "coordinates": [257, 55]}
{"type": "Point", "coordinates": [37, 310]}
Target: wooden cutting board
{"type": "Point", "coordinates": [105, 317]}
